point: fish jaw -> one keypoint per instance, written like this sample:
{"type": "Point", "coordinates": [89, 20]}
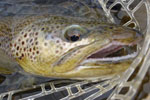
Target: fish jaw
{"type": "Point", "coordinates": [104, 42]}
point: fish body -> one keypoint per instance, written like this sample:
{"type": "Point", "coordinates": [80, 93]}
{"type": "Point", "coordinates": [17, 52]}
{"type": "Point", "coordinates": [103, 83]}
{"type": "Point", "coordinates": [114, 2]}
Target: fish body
{"type": "Point", "coordinates": [57, 46]}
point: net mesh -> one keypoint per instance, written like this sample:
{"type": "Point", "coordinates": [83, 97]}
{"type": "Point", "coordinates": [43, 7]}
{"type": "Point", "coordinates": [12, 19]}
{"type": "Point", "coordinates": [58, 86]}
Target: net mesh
{"type": "Point", "coordinates": [131, 13]}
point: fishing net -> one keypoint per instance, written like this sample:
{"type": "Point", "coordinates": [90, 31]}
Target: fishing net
{"type": "Point", "coordinates": [133, 84]}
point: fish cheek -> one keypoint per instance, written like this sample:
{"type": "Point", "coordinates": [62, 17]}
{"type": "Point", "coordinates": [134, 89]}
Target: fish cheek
{"type": "Point", "coordinates": [73, 61]}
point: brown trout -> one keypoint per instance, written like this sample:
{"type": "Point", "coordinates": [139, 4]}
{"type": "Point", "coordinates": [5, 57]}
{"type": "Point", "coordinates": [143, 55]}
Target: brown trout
{"type": "Point", "coordinates": [65, 47]}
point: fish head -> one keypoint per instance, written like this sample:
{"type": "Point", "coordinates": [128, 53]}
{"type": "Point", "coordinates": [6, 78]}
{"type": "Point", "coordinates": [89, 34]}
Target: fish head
{"type": "Point", "coordinates": [58, 48]}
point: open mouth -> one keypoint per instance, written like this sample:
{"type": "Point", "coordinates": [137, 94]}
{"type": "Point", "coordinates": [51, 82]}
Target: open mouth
{"type": "Point", "coordinates": [114, 52]}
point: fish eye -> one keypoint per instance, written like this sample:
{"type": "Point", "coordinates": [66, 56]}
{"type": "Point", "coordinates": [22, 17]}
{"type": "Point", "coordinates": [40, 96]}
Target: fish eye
{"type": "Point", "coordinates": [74, 38]}
{"type": "Point", "coordinates": [73, 33]}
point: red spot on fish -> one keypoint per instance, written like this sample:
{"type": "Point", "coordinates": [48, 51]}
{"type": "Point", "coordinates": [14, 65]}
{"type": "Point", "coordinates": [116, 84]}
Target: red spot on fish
{"type": "Point", "coordinates": [15, 45]}
{"type": "Point", "coordinates": [24, 49]}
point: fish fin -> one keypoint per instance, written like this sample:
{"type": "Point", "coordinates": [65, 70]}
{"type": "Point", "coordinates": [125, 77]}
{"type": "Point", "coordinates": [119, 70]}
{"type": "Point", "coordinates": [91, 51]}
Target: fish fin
{"type": "Point", "coordinates": [15, 81]}
{"type": "Point", "coordinates": [21, 80]}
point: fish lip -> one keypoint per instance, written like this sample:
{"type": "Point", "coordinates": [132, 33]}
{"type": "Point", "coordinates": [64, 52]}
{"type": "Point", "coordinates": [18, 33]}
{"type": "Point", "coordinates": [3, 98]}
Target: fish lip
{"type": "Point", "coordinates": [117, 46]}
{"type": "Point", "coordinates": [112, 59]}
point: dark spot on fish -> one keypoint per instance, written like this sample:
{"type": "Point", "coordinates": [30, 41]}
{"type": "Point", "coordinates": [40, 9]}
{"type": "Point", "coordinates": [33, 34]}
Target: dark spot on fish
{"type": "Point", "coordinates": [35, 38]}
{"type": "Point", "coordinates": [52, 27]}
{"type": "Point", "coordinates": [24, 49]}
{"type": "Point", "coordinates": [22, 42]}
{"type": "Point", "coordinates": [111, 27]}
{"type": "Point", "coordinates": [30, 34]}
{"type": "Point", "coordinates": [57, 26]}
{"type": "Point", "coordinates": [57, 41]}
{"type": "Point", "coordinates": [36, 43]}
{"type": "Point", "coordinates": [17, 47]}
{"type": "Point", "coordinates": [30, 50]}
{"type": "Point", "coordinates": [47, 28]}
{"type": "Point", "coordinates": [25, 35]}
{"type": "Point", "coordinates": [45, 44]}
{"type": "Point", "coordinates": [17, 54]}
{"type": "Point", "coordinates": [52, 37]}
{"type": "Point", "coordinates": [22, 55]}
{"type": "Point", "coordinates": [37, 52]}
{"type": "Point", "coordinates": [31, 57]}
{"type": "Point", "coordinates": [36, 33]}
{"type": "Point", "coordinates": [27, 40]}
{"type": "Point", "coordinates": [42, 29]}
{"type": "Point", "coordinates": [19, 58]}
{"type": "Point", "coordinates": [64, 44]}
{"type": "Point", "coordinates": [9, 44]}
{"type": "Point", "coordinates": [31, 40]}
{"type": "Point", "coordinates": [29, 30]}
{"type": "Point", "coordinates": [33, 48]}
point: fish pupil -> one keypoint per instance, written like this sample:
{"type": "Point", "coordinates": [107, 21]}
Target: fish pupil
{"type": "Point", "coordinates": [74, 38]}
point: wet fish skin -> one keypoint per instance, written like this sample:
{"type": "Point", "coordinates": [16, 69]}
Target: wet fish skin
{"type": "Point", "coordinates": [40, 45]}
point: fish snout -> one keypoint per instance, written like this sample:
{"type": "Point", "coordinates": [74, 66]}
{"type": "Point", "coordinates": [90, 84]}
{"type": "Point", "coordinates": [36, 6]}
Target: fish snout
{"type": "Point", "coordinates": [126, 35]}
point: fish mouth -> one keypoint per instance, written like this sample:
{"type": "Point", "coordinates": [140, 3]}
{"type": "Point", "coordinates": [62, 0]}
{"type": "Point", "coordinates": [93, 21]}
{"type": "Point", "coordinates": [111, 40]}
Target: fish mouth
{"type": "Point", "coordinates": [114, 52]}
